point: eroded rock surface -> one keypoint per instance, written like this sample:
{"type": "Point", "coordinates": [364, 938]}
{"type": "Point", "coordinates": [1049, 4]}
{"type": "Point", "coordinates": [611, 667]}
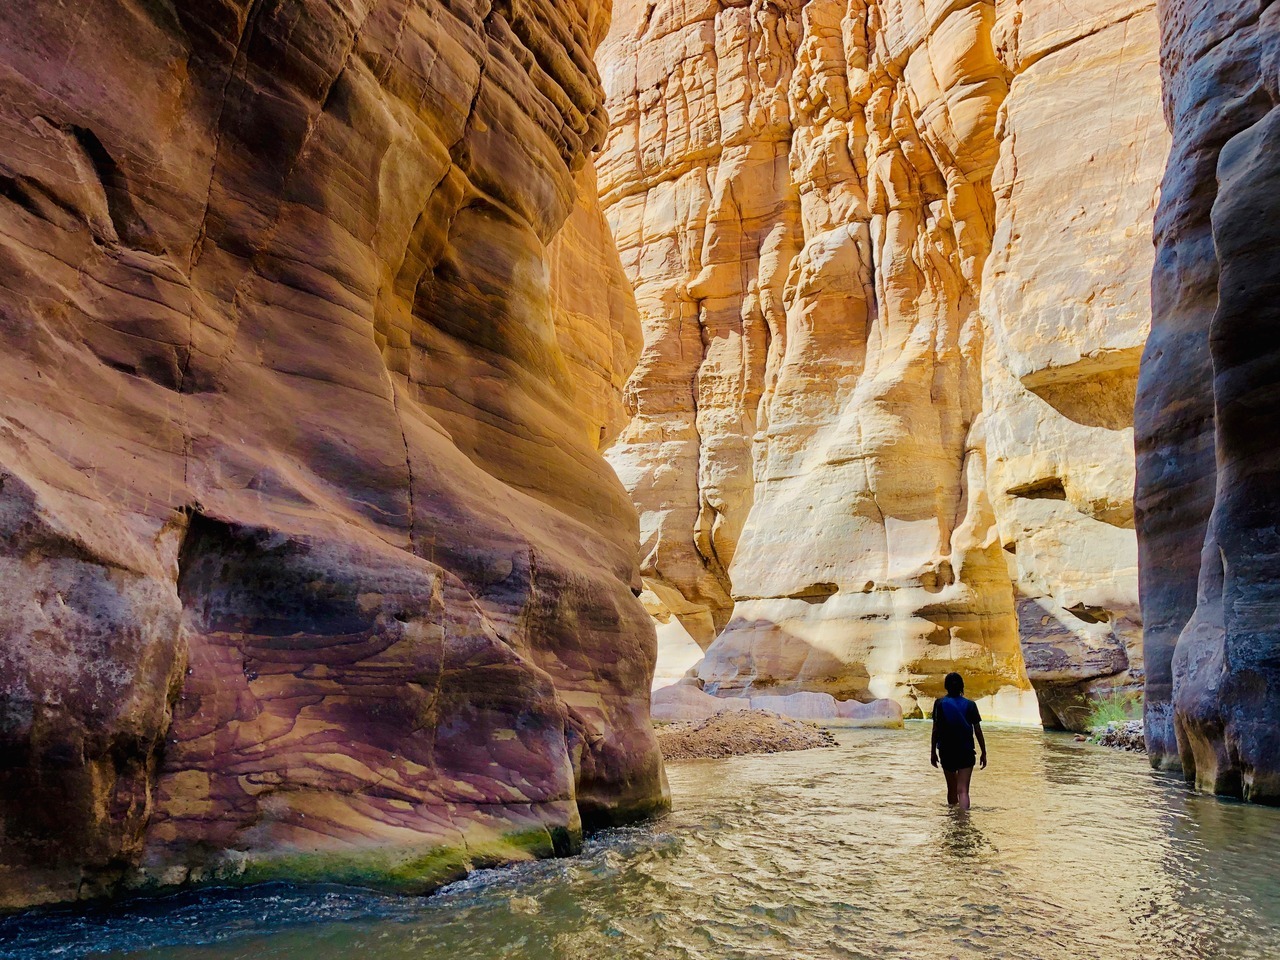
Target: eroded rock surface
{"type": "Point", "coordinates": [1208, 461]}
{"type": "Point", "coordinates": [866, 450]}
{"type": "Point", "coordinates": [688, 701]}
{"type": "Point", "coordinates": [1066, 306]}
{"type": "Point", "coordinates": [310, 565]}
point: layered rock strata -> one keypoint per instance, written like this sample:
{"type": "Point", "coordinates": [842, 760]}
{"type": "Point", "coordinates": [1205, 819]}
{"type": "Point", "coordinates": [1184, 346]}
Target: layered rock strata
{"type": "Point", "coordinates": [1066, 309]}
{"type": "Point", "coordinates": [688, 701]}
{"type": "Point", "coordinates": [1208, 463]}
{"type": "Point", "coordinates": [880, 428]}
{"type": "Point", "coordinates": [310, 566]}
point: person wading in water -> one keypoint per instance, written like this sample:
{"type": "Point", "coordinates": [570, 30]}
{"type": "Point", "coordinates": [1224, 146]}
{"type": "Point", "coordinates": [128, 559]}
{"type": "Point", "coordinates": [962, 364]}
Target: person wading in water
{"type": "Point", "coordinates": [955, 723]}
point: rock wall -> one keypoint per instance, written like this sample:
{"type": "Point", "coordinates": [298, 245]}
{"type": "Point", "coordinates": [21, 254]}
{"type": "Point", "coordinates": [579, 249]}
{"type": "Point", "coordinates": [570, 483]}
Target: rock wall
{"type": "Point", "coordinates": [1066, 302]}
{"type": "Point", "coordinates": [880, 429]}
{"type": "Point", "coordinates": [311, 567]}
{"type": "Point", "coordinates": [1207, 455]}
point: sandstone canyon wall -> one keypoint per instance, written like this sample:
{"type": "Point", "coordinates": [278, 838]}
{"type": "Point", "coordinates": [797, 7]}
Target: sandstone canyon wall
{"type": "Point", "coordinates": [1066, 301]}
{"type": "Point", "coordinates": [892, 261]}
{"type": "Point", "coordinates": [1208, 462]}
{"type": "Point", "coordinates": [311, 566]}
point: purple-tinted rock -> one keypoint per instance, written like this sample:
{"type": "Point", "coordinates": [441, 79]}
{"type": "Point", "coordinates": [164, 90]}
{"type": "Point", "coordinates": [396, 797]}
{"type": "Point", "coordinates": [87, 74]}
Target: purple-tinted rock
{"type": "Point", "coordinates": [1208, 490]}
{"type": "Point", "coordinates": [310, 564]}
{"type": "Point", "coordinates": [687, 702]}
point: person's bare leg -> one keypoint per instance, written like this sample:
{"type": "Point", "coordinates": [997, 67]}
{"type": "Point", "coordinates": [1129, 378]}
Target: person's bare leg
{"type": "Point", "coordinates": [952, 797]}
{"type": "Point", "coordinates": [962, 786]}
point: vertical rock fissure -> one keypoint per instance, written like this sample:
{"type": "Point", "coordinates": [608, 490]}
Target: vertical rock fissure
{"type": "Point", "coordinates": [238, 59]}
{"type": "Point", "coordinates": [408, 465]}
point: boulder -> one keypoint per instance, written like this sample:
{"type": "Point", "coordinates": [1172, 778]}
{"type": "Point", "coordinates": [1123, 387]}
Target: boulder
{"type": "Point", "coordinates": [824, 707]}
{"type": "Point", "coordinates": [683, 701]}
{"type": "Point", "coordinates": [877, 713]}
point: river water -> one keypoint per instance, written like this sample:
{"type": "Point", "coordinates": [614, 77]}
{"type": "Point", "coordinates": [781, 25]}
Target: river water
{"type": "Point", "coordinates": [1070, 851]}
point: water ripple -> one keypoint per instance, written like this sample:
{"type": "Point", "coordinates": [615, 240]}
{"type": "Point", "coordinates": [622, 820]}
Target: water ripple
{"type": "Point", "coordinates": [837, 854]}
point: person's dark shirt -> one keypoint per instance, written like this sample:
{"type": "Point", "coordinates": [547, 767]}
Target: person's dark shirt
{"type": "Point", "coordinates": [954, 718]}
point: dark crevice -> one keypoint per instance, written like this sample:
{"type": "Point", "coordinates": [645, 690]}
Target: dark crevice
{"type": "Point", "coordinates": [815, 592]}
{"type": "Point", "coordinates": [14, 191]}
{"type": "Point", "coordinates": [1047, 488]}
{"type": "Point", "coordinates": [34, 199]}
{"type": "Point", "coordinates": [130, 226]}
{"type": "Point", "coordinates": [122, 366]}
{"type": "Point", "coordinates": [1089, 614]}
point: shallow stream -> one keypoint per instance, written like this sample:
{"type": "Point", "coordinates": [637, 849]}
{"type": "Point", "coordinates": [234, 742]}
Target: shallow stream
{"type": "Point", "coordinates": [1070, 851]}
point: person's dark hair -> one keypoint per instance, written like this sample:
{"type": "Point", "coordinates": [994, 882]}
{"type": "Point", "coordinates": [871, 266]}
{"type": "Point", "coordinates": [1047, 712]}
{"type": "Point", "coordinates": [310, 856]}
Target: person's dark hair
{"type": "Point", "coordinates": [954, 684]}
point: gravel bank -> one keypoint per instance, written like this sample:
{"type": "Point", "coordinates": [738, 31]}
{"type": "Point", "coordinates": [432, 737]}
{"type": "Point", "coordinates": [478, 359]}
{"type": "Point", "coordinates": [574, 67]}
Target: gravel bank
{"type": "Point", "coordinates": [1122, 736]}
{"type": "Point", "coordinates": [733, 733]}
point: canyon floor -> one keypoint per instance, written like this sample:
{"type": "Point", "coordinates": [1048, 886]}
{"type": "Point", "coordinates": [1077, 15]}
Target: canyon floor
{"type": "Point", "coordinates": [1070, 851]}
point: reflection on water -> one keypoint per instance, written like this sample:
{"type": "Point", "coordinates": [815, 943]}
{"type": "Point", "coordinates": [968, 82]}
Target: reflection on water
{"type": "Point", "coordinates": [1069, 852]}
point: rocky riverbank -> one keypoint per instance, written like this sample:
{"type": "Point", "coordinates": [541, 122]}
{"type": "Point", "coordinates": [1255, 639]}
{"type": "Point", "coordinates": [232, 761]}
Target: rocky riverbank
{"type": "Point", "coordinates": [1121, 736]}
{"type": "Point", "coordinates": [738, 732]}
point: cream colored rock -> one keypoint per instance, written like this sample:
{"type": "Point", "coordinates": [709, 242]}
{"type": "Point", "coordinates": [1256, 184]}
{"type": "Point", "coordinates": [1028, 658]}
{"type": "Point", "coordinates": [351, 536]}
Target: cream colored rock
{"type": "Point", "coordinates": [833, 712]}
{"type": "Point", "coordinates": [1067, 304]}
{"type": "Point", "coordinates": [706, 219]}
{"type": "Point", "coordinates": [847, 407]}
{"type": "Point", "coordinates": [688, 702]}
{"type": "Point", "coordinates": [877, 713]}
{"type": "Point", "coordinates": [594, 310]}
{"type": "Point", "coordinates": [678, 653]}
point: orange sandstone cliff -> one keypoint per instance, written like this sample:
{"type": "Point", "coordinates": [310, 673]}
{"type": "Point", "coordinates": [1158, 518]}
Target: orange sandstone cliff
{"type": "Point", "coordinates": [311, 566]}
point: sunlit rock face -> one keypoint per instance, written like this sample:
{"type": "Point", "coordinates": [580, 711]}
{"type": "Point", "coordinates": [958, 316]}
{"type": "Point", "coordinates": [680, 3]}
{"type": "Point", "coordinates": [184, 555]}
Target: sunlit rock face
{"type": "Point", "coordinates": [891, 259]}
{"type": "Point", "coordinates": [1066, 305]}
{"type": "Point", "coordinates": [311, 332]}
{"type": "Point", "coordinates": [1208, 460]}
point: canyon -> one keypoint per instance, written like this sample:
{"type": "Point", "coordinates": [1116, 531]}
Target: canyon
{"type": "Point", "coordinates": [892, 260]}
{"type": "Point", "coordinates": [351, 349]}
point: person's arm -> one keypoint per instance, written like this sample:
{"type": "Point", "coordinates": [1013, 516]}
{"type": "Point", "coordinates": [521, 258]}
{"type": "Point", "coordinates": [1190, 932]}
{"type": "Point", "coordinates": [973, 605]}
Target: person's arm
{"type": "Point", "coordinates": [933, 740]}
{"type": "Point", "coordinates": [982, 742]}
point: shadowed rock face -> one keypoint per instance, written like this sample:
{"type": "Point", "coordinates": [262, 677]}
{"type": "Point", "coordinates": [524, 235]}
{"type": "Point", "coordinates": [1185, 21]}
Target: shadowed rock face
{"type": "Point", "coordinates": [882, 428]}
{"type": "Point", "coordinates": [1208, 462]}
{"type": "Point", "coordinates": [310, 564]}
